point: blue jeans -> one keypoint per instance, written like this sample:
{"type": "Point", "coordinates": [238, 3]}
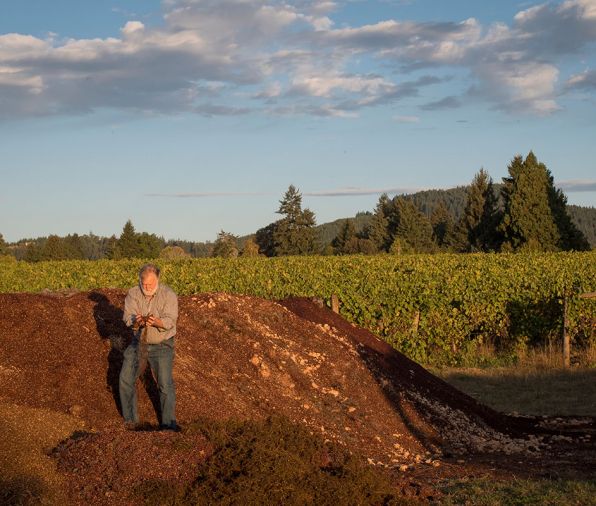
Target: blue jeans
{"type": "Point", "coordinates": [160, 358]}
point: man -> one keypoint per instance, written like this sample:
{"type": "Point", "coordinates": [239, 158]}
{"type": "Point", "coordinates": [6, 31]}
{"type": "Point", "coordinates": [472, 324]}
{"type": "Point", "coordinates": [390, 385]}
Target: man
{"type": "Point", "coordinates": [151, 309]}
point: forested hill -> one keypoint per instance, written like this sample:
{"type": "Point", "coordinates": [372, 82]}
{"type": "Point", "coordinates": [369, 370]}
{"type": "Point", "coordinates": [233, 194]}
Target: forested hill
{"type": "Point", "coordinates": [455, 200]}
{"type": "Point", "coordinates": [585, 219]}
{"type": "Point", "coordinates": [131, 244]}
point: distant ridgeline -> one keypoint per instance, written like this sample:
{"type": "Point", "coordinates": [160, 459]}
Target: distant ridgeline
{"type": "Point", "coordinates": [483, 216]}
{"type": "Point", "coordinates": [455, 201]}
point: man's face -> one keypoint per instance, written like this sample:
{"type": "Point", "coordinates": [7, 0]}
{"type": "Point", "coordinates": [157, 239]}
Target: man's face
{"type": "Point", "coordinates": [149, 283]}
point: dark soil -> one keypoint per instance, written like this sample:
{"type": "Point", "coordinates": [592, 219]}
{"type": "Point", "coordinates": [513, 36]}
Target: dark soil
{"type": "Point", "coordinates": [247, 358]}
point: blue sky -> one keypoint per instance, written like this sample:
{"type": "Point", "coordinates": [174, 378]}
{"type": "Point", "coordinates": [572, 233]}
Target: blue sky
{"type": "Point", "coordinates": [193, 116]}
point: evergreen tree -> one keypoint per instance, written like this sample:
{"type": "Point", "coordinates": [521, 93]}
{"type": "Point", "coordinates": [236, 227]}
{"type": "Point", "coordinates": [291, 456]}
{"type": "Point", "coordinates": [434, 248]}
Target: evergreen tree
{"type": "Point", "coordinates": [474, 209]}
{"type": "Point", "coordinates": [92, 246]}
{"type": "Point", "coordinates": [443, 226]}
{"type": "Point", "coordinates": [149, 245]}
{"type": "Point", "coordinates": [413, 231]}
{"type": "Point", "coordinates": [54, 249]}
{"type": "Point", "coordinates": [128, 244]}
{"type": "Point", "coordinates": [570, 236]}
{"type": "Point", "coordinates": [527, 221]}
{"type": "Point", "coordinates": [378, 229]}
{"type": "Point", "coordinates": [264, 239]}
{"type": "Point", "coordinates": [294, 234]}
{"type": "Point", "coordinates": [32, 252]}
{"type": "Point", "coordinates": [585, 220]}
{"type": "Point", "coordinates": [489, 236]}
{"type": "Point", "coordinates": [345, 242]}
{"type": "Point", "coordinates": [3, 246]}
{"type": "Point", "coordinates": [481, 214]}
{"type": "Point", "coordinates": [112, 250]}
{"type": "Point", "coordinates": [393, 217]}
{"type": "Point", "coordinates": [460, 242]}
{"type": "Point", "coordinates": [73, 247]}
{"type": "Point", "coordinates": [225, 246]}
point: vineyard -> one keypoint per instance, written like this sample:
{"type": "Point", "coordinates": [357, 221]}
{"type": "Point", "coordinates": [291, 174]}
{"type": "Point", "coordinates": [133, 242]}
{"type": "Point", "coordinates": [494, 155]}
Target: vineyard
{"type": "Point", "coordinates": [434, 308]}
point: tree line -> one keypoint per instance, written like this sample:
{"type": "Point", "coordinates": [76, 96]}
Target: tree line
{"type": "Point", "coordinates": [526, 212]}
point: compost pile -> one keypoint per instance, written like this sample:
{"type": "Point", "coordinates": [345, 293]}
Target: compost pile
{"type": "Point", "coordinates": [244, 357]}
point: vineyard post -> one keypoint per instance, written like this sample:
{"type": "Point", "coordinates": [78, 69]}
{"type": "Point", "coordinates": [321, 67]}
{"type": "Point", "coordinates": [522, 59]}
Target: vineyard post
{"type": "Point", "coordinates": [416, 323]}
{"type": "Point", "coordinates": [566, 342]}
{"type": "Point", "coordinates": [334, 303]}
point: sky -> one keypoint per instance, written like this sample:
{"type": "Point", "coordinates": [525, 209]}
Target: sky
{"type": "Point", "coordinates": [189, 117]}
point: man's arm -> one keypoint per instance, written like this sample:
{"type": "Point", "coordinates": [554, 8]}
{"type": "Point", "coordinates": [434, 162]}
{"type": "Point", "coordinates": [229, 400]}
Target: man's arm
{"type": "Point", "coordinates": [168, 316]}
{"type": "Point", "coordinates": [130, 310]}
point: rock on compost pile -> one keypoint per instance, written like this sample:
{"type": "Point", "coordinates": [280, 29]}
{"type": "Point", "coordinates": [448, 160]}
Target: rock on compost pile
{"type": "Point", "coordinates": [246, 357]}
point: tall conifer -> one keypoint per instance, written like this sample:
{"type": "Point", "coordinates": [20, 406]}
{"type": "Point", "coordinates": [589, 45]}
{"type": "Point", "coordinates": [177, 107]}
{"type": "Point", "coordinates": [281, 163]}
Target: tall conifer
{"type": "Point", "coordinates": [527, 221]}
{"type": "Point", "coordinates": [294, 234]}
{"type": "Point", "coordinates": [413, 231]}
{"type": "Point", "coordinates": [570, 237]}
{"type": "Point", "coordinates": [378, 229]}
{"type": "Point", "coordinates": [443, 226]}
{"type": "Point", "coordinates": [128, 243]}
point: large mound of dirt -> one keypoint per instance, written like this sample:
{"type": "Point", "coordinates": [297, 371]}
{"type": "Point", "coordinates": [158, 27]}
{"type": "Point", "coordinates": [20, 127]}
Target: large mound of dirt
{"type": "Point", "coordinates": [245, 357]}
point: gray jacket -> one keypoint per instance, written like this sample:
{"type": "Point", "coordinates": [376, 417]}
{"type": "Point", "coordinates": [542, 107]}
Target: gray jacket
{"type": "Point", "coordinates": [163, 305]}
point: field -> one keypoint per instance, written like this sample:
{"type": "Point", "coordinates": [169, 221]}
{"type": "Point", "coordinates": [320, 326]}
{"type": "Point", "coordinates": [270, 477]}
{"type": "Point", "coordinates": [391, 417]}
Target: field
{"type": "Point", "coordinates": [437, 309]}
{"type": "Point", "coordinates": [527, 389]}
{"type": "Point", "coordinates": [252, 372]}
{"type": "Point", "coordinates": [540, 386]}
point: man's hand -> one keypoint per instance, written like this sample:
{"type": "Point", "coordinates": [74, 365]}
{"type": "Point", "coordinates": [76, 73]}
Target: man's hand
{"type": "Point", "coordinates": [154, 321]}
{"type": "Point", "coordinates": [139, 321]}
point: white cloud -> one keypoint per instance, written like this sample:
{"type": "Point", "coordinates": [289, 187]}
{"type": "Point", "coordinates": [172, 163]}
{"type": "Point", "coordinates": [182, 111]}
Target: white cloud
{"type": "Point", "coordinates": [321, 85]}
{"type": "Point", "coordinates": [585, 80]}
{"type": "Point", "coordinates": [15, 77]}
{"type": "Point", "coordinates": [132, 27]}
{"type": "Point", "coordinates": [212, 52]}
{"type": "Point", "coordinates": [406, 119]}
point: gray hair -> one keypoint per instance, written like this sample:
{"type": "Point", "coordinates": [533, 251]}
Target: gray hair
{"type": "Point", "coordinates": [149, 269]}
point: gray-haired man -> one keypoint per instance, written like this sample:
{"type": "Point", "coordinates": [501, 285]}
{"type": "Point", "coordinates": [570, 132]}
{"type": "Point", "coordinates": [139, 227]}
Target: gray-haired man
{"type": "Point", "coordinates": [151, 309]}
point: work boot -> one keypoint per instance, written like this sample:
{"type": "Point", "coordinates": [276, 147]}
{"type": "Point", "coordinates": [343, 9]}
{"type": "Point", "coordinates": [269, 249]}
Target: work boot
{"type": "Point", "coordinates": [174, 427]}
{"type": "Point", "coordinates": [131, 426]}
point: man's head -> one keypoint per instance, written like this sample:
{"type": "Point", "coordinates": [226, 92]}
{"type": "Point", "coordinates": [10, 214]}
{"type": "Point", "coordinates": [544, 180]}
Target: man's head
{"type": "Point", "coordinates": [149, 279]}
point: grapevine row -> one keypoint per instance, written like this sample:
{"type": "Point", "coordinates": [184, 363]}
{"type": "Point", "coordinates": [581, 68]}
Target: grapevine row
{"type": "Point", "coordinates": [435, 308]}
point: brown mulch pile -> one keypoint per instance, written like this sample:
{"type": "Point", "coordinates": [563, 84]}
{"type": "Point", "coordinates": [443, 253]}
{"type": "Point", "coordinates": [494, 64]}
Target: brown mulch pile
{"type": "Point", "coordinates": [245, 357]}
{"type": "Point", "coordinates": [109, 466]}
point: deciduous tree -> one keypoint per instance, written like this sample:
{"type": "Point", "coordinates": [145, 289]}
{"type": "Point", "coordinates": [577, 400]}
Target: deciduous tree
{"type": "Point", "coordinates": [250, 248]}
{"type": "Point", "coordinates": [225, 245]}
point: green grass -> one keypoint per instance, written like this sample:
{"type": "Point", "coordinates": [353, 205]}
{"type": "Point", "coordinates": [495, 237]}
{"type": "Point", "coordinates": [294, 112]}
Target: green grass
{"type": "Point", "coordinates": [537, 386]}
{"type": "Point", "coordinates": [489, 492]}
{"type": "Point", "coordinates": [527, 389]}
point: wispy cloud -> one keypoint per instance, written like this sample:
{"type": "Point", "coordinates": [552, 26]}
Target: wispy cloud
{"type": "Point", "coordinates": [444, 103]}
{"type": "Point", "coordinates": [578, 185]}
{"type": "Point", "coordinates": [585, 80]}
{"type": "Point", "coordinates": [407, 119]}
{"type": "Point", "coordinates": [349, 191]}
{"type": "Point", "coordinates": [358, 192]}
{"type": "Point", "coordinates": [200, 195]}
